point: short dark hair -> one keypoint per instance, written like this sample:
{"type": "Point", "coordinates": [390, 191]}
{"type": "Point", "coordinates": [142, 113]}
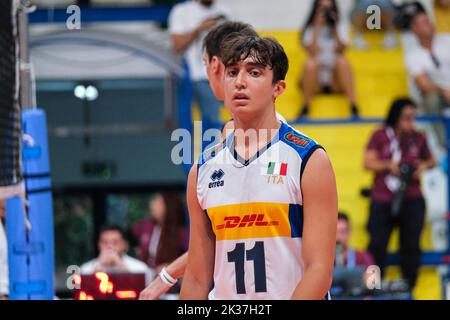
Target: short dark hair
{"type": "Point", "coordinates": [406, 13]}
{"type": "Point", "coordinates": [396, 110]}
{"type": "Point", "coordinates": [214, 39]}
{"type": "Point", "coordinates": [343, 216]}
{"type": "Point", "coordinates": [264, 51]}
{"type": "Point", "coordinates": [113, 228]}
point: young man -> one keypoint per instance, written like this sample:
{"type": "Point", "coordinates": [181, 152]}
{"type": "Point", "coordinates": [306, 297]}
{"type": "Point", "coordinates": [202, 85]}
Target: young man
{"type": "Point", "coordinates": [215, 72]}
{"type": "Point", "coordinates": [263, 211]}
{"type": "Point", "coordinates": [113, 246]}
{"type": "Point", "coordinates": [349, 257]}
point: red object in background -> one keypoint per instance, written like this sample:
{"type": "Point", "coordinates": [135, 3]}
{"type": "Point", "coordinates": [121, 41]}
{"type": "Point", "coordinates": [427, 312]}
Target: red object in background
{"type": "Point", "coordinates": [103, 286]}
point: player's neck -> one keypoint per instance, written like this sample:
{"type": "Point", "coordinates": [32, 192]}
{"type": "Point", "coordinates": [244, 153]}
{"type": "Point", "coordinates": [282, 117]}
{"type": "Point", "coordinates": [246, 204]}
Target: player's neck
{"type": "Point", "coordinates": [251, 136]}
{"type": "Point", "coordinates": [267, 121]}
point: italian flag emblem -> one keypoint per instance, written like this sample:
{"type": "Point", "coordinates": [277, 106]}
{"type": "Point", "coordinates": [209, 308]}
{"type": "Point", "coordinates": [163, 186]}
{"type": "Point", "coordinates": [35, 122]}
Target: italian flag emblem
{"type": "Point", "coordinates": [276, 168]}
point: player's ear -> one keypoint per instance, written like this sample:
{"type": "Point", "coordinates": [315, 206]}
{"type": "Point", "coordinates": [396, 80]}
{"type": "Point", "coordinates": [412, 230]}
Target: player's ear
{"type": "Point", "coordinates": [279, 88]}
{"type": "Point", "coordinates": [215, 64]}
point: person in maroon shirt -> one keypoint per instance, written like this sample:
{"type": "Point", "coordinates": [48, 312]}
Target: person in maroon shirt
{"type": "Point", "coordinates": [163, 236]}
{"type": "Point", "coordinates": [397, 144]}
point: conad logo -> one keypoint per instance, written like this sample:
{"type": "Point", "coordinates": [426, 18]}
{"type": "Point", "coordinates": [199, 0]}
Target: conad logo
{"type": "Point", "coordinates": [297, 140]}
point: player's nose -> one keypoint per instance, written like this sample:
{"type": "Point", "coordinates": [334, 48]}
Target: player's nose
{"type": "Point", "coordinates": [241, 81]}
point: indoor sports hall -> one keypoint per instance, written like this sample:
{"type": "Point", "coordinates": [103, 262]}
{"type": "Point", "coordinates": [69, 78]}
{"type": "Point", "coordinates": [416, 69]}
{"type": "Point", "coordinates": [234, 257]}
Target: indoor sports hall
{"type": "Point", "coordinates": [103, 111]}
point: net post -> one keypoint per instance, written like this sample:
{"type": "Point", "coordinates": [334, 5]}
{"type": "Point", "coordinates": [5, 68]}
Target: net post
{"type": "Point", "coordinates": [26, 101]}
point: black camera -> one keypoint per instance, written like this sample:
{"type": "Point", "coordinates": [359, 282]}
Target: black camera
{"type": "Point", "coordinates": [330, 18]}
{"type": "Point", "coordinates": [406, 174]}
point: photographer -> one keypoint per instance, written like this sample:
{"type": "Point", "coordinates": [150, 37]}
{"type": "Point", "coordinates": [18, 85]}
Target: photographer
{"type": "Point", "coordinates": [398, 154]}
{"type": "Point", "coordinates": [326, 69]}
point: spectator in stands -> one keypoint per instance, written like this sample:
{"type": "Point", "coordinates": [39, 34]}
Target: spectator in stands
{"type": "Point", "coordinates": [345, 255]}
{"type": "Point", "coordinates": [3, 255]}
{"type": "Point", "coordinates": [163, 236]}
{"type": "Point", "coordinates": [113, 246]}
{"type": "Point", "coordinates": [351, 265]}
{"type": "Point", "coordinates": [189, 23]}
{"type": "Point", "coordinates": [398, 154]}
{"type": "Point", "coordinates": [428, 63]}
{"type": "Point", "coordinates": [360, 16]}
{"type": "Point", "coordinates": [326, 70]}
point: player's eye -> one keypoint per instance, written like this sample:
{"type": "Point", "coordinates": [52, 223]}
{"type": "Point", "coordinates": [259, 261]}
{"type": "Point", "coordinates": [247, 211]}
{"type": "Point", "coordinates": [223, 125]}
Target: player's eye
{"type": "Point", "coordinates": [232, 72]}
{"type": "Point", "coordinates": [255, 73]}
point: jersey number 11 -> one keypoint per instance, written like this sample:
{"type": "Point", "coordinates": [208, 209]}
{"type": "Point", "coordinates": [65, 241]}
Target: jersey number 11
{"type": "Point", "coordinates": [238, 257]}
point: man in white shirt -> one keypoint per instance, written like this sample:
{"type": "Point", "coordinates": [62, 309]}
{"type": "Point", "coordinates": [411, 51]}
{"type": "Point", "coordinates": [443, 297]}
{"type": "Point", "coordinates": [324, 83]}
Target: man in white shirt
{"type": "Point", "coordinates": [428, 63]}
{"type": "Point", "coordinates": [113, 258]}
{"type": "Point", "coordinates": [189, 22]}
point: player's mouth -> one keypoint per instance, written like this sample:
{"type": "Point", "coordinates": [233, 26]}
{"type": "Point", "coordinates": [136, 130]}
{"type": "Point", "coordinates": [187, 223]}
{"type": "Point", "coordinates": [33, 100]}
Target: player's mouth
{"type": "Point", "coordinates": [241, 98]}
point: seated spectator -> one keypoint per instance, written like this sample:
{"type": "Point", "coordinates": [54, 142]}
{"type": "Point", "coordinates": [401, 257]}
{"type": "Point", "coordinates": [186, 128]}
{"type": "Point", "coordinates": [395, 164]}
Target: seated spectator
{"type": "Point", "coordinates": [359, 18]}
{"type": "Point", "coordinates": [350, 265]}
{"type": "Point", "coordinates": [163, 236]}
{"type": "Point", "coordinates": [346, 256]}
{"type": "Point", "coordinates": [326, 69]}
{"type": "Point", "coordinates": [428, 63]}
{"type": "Point", "coordinates": [428, 66]}
{"type": "Point", "coordinates": [113, 246]}
{"type": "Point", "coordinates": [3, 255]}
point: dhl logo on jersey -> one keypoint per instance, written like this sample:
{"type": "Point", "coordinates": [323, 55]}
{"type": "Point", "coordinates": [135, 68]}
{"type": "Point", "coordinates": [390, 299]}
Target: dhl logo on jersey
{"type": "Point", "coordinates": [250, 220]}
{"type": "Point", "coordinates": [246, 221]}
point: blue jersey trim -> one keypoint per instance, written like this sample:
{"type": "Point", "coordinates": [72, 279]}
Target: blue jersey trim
{"type": "Point", "coordinates": [296, 220]}
{"type": "Point", "coordinates": [296, 140]}
{"type": "Point", "coordinates": [307, 156]}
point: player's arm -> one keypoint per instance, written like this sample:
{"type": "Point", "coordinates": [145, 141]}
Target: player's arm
{"type": "Point", "coordinates": [200, 263]}
{"type": "Point", "coordinates": [157, 288]}
{"type": "Point", "coordinates": [318, 186]}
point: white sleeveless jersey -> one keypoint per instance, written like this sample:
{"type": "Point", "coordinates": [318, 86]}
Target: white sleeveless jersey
{"type": "Point", "coordinates": [256, 213]}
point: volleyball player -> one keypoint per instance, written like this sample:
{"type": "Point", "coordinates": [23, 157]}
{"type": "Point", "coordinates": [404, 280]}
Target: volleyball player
{"type": "Point", "coordinates": [215, 72]}
{"type": "Point", "coordinates": [263, 211]}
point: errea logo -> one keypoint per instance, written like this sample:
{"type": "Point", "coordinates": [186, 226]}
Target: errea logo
{"type": "Point", "coordinates": [216, 177]}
